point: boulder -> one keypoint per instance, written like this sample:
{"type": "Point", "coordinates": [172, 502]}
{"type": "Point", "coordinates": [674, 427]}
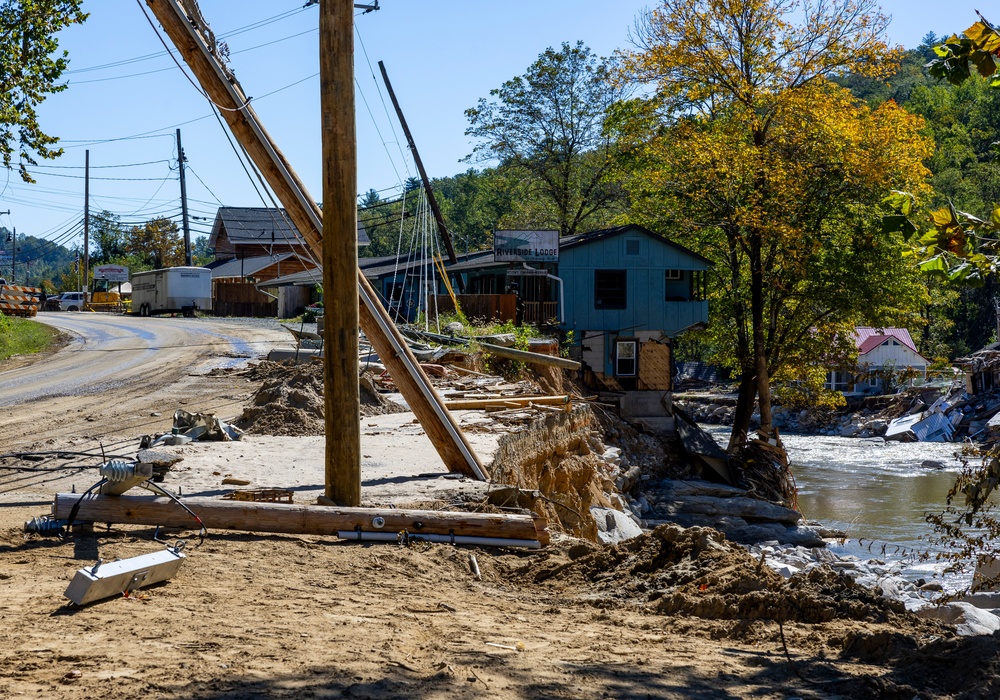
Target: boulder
{"type": "Point", "coordinates": [968, 620]}
{"type": "Point", "coordinates": [613, 526]}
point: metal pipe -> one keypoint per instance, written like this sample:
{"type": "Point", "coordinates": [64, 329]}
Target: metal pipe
{"type": "Point", "coordinates": [364, 536]}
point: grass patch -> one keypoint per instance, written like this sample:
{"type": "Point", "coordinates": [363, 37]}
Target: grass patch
{"type": "Point", "coordinates": [19, 336]}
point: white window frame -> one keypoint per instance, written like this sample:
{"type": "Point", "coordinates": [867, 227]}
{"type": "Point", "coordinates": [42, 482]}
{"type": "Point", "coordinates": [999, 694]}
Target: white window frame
{"type": "Point", "coordinates": [634, 359]}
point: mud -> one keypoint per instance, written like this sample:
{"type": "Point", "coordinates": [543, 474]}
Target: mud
{"type": "Point", "coordinates": [290, 400]}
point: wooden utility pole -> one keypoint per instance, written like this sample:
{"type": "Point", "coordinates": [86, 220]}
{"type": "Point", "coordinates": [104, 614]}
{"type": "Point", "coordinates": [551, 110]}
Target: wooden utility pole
{"type": "Point", "coordinates": [340, 251]}
{"type": "Point", "coordinates": [86, 227]}
{"type": "Point", "coordinates": [184, 203]}
{"type": "Point", "coordinates": [431, 199]}
{"type": "Point", "coordinates": [186, 28]}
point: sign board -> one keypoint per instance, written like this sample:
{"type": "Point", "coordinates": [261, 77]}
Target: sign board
{"type": "Point", "coordinates": [523, 272]}
{"type": "Point", "coordinates": [112, 273]}
{"type": "Point", "coordinates": [526, 246]}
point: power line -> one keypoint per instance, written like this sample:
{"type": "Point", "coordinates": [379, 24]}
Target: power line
{"type": "Point", "coordinates": [158, 54]}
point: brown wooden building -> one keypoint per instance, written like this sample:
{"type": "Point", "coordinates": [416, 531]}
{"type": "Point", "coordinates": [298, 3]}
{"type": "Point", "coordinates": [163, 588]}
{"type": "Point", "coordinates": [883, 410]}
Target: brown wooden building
{"type": "Point", "coordinates": [250, 232]}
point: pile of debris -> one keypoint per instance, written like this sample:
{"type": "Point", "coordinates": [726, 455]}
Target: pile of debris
{"type": "Point", "coordinates": [697, 572]}
{"type": "Point", "coordinates": [925, 414]}
{"type": "Point", "coordinates": [290, 401]}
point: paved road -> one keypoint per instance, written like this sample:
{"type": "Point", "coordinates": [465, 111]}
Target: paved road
{"type": "Point", "coordinates": [117, 370]}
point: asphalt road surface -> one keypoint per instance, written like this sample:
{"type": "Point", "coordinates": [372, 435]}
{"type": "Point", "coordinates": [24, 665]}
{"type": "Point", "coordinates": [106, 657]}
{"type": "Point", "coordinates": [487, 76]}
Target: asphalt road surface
{"type": "Point", "coordinates": [116, 372]}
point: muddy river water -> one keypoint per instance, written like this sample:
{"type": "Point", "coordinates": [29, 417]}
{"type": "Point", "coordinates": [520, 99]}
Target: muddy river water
{"type": "Point", "coordinates": [874, 491]}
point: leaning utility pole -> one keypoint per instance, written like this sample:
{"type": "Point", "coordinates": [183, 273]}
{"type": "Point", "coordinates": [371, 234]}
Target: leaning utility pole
{"type": "Point", "coordinates": [431, 199]}
{"type": "Point", "coordinates": [184, 203]}
{"type": "Point", "coordinates": [86, 226]}
{"type": "Point", "coordinates": [340, 251]}
{"type": "Point", "coordinates": [183, 23]}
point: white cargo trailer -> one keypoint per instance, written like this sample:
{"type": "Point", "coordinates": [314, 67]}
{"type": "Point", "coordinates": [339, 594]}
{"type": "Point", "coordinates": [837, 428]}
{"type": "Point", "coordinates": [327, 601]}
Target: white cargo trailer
{"type": "Point", "coordinates": [172, 290]}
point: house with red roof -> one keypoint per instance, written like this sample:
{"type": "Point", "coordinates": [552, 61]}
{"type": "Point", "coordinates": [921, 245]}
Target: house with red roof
{"type": "Point", "coordinates": [881, 352]}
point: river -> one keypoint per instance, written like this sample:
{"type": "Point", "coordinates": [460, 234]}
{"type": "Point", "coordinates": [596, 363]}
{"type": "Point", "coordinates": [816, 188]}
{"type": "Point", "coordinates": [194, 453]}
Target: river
{"type": "Point", "coordinates": [876, 492]}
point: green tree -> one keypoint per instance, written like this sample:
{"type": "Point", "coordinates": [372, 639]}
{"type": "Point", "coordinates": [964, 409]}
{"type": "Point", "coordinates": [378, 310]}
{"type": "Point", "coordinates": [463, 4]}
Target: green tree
{"type": "Point", "coordinates": [30, 68]}
{"type": "Point", "coordinates": [109, 241]}
{"type": "Point", "coordinates": [549, 124]}
{"type": "Point", "coordinates": [156, 244]}
{"type": "Point", "coordinates": [200, 252]}
{"type": "Point", "coordinates": [756, 160]}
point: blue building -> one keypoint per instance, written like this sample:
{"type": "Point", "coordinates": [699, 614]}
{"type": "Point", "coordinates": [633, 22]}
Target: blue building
{"type": "Point", "coordinates": [624, 292]}
{"type": "Point", "coordinates": [628, 293]}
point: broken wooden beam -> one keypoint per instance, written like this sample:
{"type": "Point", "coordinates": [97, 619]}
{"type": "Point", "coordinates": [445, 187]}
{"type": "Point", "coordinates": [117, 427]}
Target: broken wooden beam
{"type": "Point", "coordinates": [532, 358]}
{"type": "Point", "coordinates": [506, 402]}
{"type": "Point", "coordinates": [295, 519]}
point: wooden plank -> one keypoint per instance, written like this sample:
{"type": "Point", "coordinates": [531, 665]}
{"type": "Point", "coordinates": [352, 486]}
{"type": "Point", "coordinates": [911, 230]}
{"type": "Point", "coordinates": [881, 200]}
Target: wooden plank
{"type": "Point", "coordinates": [296, 519]}
{"type": "Point", "coordinates": [474, 404]}
{"type": "Point", "coordinates": [654, 366]}
{"type": "Point", "coordinates": [221, 86]}
{"type": "Point", "coordinates": [532, 358]}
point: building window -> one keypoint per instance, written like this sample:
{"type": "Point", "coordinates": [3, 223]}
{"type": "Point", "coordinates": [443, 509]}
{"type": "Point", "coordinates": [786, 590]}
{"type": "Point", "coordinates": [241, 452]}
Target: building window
{"type": "Point", "coordinates": [625, 358]}
{"type": "Point", "coordinates": [632, 246]}
{"type": "Point", "coordinates": [610, 289]}
{"type": "Point", "coordinates": [674, 275]}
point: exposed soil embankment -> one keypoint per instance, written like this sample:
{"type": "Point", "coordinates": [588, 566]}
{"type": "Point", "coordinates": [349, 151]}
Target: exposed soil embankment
{"type": "Point", "coordinates": [559, 459]}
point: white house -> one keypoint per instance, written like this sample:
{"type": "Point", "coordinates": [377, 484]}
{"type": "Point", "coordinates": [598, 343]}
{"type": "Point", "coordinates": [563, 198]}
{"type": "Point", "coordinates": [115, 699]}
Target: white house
{"type": "Point", "coordinates": [881, 351]}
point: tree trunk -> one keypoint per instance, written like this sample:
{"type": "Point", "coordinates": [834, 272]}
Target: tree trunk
{"type": "Point", "coordinates": [759, 340]}
{"type": "Point", "coordinates": [744, 409]}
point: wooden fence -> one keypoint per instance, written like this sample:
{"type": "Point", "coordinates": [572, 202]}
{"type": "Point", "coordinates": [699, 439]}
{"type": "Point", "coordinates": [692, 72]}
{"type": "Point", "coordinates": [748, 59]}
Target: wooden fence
{"type": "Point", "coordinates": [235, 297]}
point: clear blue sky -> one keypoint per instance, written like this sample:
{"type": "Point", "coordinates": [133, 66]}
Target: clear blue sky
{"type": "Point", "coordinates": [126, 96]}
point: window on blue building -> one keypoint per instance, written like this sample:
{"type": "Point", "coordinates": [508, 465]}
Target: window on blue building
{"type": "Point", "coordinates": [610, 289]}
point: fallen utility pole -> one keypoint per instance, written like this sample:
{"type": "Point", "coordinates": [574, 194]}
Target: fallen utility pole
{"type": "Point", "coordinates": [189, 32]}
{"type": "Point", "coordinates": [532, 358]}
{"type": "Point", "coordinates": [294, 519]}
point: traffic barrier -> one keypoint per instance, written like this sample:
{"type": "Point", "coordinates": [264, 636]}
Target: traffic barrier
{"type": "Point", "coordinates": [17, 300]}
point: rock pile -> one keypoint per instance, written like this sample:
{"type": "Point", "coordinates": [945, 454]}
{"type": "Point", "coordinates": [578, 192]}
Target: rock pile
{"type": "Point", "coordinates": [725, 508]}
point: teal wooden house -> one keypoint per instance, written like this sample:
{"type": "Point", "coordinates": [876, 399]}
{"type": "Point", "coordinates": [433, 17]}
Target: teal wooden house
{"type": "Point", "coordinates": [628, 293]}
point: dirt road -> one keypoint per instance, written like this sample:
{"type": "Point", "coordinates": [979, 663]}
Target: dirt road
{"type": "Point", "coordinates": [116, 371]}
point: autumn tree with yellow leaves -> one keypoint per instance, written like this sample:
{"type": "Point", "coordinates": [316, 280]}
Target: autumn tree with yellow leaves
{"type": "Point", "coordinates": [752, 156]}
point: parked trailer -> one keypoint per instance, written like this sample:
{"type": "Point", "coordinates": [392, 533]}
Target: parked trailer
{"type": "Point", "coordinates": [172, 290]}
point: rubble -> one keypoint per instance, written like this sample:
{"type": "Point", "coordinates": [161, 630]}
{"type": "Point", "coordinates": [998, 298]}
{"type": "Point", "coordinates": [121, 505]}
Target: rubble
{"type": "Point", "coordinates": [928, 414]}
{"type": "Point", "coordinates": [290, 401]}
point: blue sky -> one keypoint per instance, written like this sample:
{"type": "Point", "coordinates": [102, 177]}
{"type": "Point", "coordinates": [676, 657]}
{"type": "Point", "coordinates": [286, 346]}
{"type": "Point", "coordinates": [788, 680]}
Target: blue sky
{"type": "Point", "coordinates": [126, 96]}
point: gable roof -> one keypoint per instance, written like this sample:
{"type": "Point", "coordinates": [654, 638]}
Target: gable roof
{"type": "Point", "coordinates": [246, 267]}
{"type": "Point", "coordinates": [591, 236]}
{"type": "Point", "coordinates": [260, 226]}
{"type": "Point", "coordinates": [867, 338]}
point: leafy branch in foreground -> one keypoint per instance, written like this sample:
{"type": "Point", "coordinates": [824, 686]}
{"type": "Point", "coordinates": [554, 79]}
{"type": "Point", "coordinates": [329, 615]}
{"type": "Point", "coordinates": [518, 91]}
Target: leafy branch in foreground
{"type": "Point", "coordinates": [971, 532]}
{"type": "Point", "coordinates": [956, 246]}
{"type": "Point", "coordinates": [978, 47]}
